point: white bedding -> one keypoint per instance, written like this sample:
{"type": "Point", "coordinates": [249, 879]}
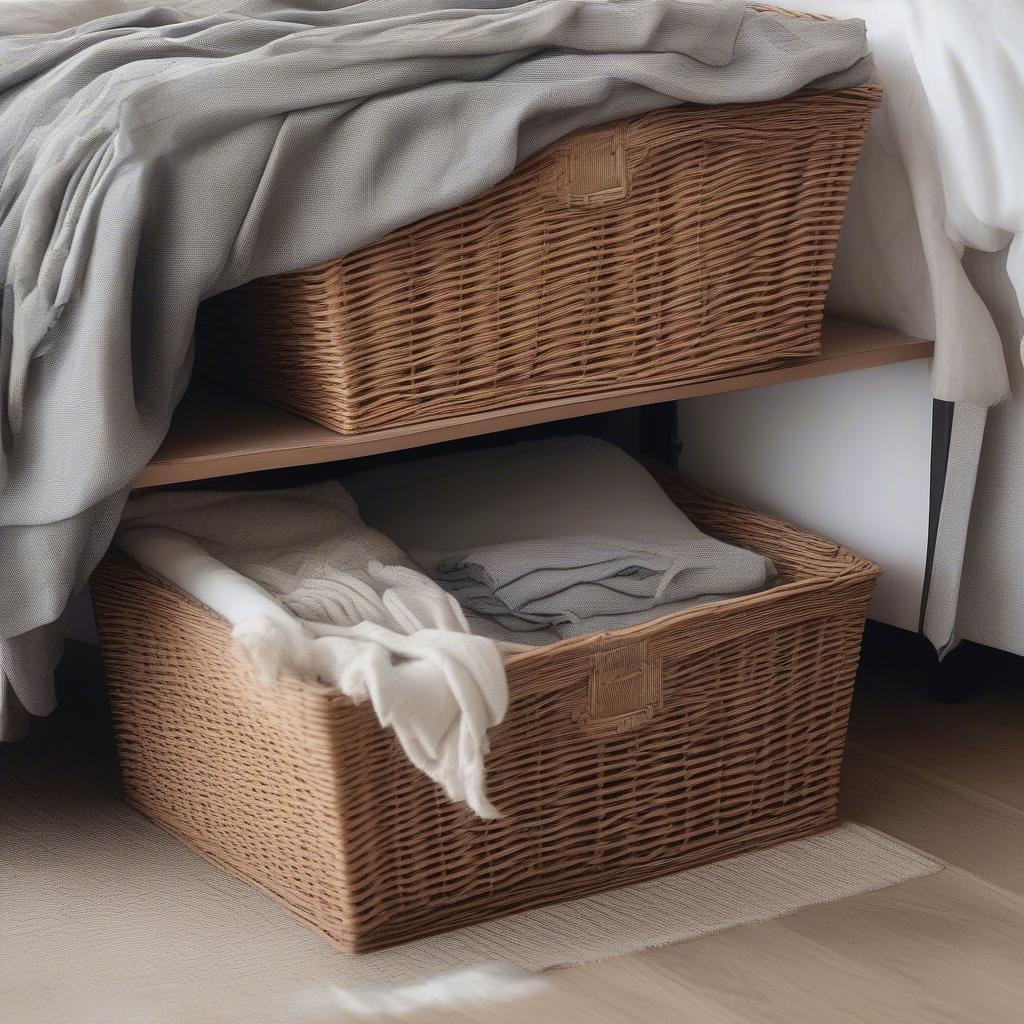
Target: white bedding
{"type": "Point", "coordinates": [970, 56]}
{"type": "Point", "coordinates": [899, 262]}
{"type": "Point", "coordinates": [941, 172]}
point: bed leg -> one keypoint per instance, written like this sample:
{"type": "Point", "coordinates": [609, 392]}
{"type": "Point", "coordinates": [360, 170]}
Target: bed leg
{"type": "Point", "coordinates": [955, 678]}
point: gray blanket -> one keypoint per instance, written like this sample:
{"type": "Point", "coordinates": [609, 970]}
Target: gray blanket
{"type": "Point", "coordinates": [157, 156]}
{"type": "Point", "coordinates": [571, 586]}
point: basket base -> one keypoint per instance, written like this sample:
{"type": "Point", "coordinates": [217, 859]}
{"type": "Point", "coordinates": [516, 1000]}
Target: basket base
{"type": "Point", "coordinates": [394, 935]}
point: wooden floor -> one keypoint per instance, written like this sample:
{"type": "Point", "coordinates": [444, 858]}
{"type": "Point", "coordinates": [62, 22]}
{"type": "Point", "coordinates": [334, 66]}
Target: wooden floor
{"type": "Point", "coordinates": [948, 947]}
{"type": "Point", "coordinates": [946, 779]}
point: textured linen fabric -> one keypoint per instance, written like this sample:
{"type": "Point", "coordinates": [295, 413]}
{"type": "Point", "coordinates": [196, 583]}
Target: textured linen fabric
{"type": "Point", "coordinates": [154, 157]}
{"type": "Point", "coordinates": [970, 56]}
{"type": "Point", "coordinates": [578, 585]}
{"type": "Point", "coordinates": [314, 593]}
{"type": "Point", "coordinates": [551, 539]}
{"type": "Point", "coordinates": [899, 261]}
{"type": "Point", "coordinates": [283, 540]}
{"type": "Point", "coordinates": [962, 457]}
{"type": "Point", "coordinates": [991, 595]}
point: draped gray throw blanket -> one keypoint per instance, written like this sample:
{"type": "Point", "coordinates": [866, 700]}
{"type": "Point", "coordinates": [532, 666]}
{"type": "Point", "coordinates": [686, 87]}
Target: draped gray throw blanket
{"type": "Point", "coordinates": [155, 156]}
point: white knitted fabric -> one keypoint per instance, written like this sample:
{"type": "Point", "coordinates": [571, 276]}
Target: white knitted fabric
{"type": "Point", "coordinates": [315, 593]}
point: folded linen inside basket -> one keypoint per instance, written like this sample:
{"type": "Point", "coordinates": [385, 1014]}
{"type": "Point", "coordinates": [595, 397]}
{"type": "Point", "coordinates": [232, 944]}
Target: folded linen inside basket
{"type": "Point", "coordinates": [301, 579]}
{"type": "Point", "coordinates": [577, 585]}
{"type": "Point", "coordinates": [550, 539]}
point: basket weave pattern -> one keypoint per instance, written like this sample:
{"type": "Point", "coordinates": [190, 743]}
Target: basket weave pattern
{"type": "Point", "coordinates": [679, 245]}
{"type": "Point", "coordinates": [624, 755]}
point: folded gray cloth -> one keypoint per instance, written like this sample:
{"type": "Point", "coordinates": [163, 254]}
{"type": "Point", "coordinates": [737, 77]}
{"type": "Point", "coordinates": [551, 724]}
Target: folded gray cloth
{"type": "Point", "coordinates": [578, 585]}
{"type": "Point", "coordinates": [550, 539]}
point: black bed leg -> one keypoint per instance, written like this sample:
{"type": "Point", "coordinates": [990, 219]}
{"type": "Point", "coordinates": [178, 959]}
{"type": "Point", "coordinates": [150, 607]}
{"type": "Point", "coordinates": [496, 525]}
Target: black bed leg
{"type": "Point", "coordinates": [954, 679]}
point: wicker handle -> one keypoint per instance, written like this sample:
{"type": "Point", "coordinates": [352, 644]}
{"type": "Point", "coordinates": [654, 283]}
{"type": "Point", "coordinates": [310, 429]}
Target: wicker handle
{"type": "Point", "coordinates": [595, 170]}
{"type": "Point", "coordinates": [625, 687]}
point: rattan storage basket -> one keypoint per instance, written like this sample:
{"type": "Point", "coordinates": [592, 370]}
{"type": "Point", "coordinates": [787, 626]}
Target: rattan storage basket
{"type": "Point", "coordinates": [675, 246]}
{"type": "Point", "coordinates": [624, 755]}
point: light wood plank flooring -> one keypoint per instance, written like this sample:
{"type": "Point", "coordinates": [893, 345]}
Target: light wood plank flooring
{"type": "Point", "coordinates": [946, 948]}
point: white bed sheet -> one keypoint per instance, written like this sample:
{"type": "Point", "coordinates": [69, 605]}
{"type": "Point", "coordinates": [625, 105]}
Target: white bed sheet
{"type": "Point", "coordinates": [941, 173]}
{"type": "Point", "coordinates": [970, 57]}
{"type": "Point", "coordinates": [898, 264]}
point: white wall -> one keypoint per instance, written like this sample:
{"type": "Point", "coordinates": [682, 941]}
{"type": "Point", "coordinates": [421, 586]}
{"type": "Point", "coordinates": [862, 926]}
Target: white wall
{"type": "Point", "coordinates": [846, 456]}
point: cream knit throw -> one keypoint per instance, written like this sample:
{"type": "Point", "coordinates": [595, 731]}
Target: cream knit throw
{"type": "Point", "coordinates": [313, 592]}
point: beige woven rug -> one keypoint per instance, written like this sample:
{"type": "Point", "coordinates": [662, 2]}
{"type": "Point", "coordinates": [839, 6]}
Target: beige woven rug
{"type": "Point", "coordinates": [105, 919]}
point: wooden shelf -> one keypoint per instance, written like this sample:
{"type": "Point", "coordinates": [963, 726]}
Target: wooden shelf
{"type": "Point", "coordinates": [217, 432]}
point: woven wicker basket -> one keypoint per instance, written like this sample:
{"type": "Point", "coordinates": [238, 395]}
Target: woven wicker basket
{"type": "Point", "coordinates": [624, 755]}
{"type": "Point", "coordinates": [675, 246]}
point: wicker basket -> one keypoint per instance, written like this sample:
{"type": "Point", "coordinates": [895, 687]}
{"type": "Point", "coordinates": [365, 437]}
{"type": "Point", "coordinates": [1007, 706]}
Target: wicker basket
{"type": "Point", "coordinates": [624, 755]}
{"type": "Point", "coordinates": [679, 245]}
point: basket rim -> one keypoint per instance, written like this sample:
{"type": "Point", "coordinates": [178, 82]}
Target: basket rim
{"type": "Point", "coordinates": [852, 569]}
{"type": "Point", "coordinates": [870, 94]}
